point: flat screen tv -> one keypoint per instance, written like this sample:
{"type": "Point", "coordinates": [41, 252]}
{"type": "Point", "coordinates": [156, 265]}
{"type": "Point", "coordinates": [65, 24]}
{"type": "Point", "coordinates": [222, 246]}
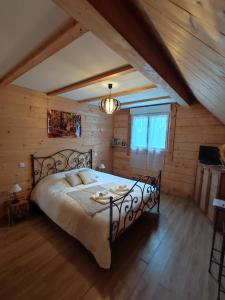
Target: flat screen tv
{"type": "Point", "coordinates": [209, 155]}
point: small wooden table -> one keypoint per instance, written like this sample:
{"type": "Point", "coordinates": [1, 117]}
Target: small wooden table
{"type": "Point", "coordinates": [17, 210]}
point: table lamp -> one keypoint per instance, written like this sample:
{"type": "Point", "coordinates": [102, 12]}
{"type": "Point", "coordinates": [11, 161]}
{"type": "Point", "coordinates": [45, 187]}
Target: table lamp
{"type": "Point", "coordinates": [101, 167]}
{"type": "Point", "coordinates": [14, 190]}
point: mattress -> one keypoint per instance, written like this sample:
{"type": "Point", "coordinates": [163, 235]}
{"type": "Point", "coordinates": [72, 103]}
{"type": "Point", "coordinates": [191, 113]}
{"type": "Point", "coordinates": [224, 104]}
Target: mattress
{"type": "Point", "coordinates": [51, 195]}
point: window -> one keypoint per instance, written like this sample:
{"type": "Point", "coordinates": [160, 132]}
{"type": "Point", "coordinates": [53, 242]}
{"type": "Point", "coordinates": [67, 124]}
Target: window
{"type": "Point", "coordinates": [149, 131]}
{"type": "Point", "coordinates": [139, 132]}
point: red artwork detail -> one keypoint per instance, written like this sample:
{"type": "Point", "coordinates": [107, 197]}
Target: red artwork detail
{"type": "Point", "coordinates": [63, 124]}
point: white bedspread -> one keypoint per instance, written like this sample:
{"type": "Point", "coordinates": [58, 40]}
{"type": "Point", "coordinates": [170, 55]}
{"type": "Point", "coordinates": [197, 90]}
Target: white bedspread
{"type": "Point", "coordinates": [50, 194]}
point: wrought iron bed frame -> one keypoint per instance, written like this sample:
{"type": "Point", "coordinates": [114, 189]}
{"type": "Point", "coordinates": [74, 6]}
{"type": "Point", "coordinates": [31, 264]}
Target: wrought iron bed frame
{"type": "Point", "coordinates": [64, 160]}
{"type": "Point", "coordinates": [127, 207]}
{"type": "Point", "coordinates": [131, 207]}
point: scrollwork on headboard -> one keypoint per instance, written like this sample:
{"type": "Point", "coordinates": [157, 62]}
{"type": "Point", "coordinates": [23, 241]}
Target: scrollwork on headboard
{"type": "Point", "coordinates": [64, 160]}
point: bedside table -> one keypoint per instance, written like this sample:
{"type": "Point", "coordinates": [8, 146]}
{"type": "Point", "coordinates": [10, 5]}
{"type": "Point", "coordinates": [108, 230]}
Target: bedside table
{"type": "Point", "coordinates": [17, 210]}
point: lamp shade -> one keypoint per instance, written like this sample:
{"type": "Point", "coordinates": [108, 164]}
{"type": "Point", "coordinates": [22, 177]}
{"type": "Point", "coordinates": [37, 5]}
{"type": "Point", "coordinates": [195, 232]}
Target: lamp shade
{"type": "Point", "coordinates": [16, 188]}
{"type": "Point", "coordinates": [109, 105]}
{"type": "Point", "coordinates": [101, 166]}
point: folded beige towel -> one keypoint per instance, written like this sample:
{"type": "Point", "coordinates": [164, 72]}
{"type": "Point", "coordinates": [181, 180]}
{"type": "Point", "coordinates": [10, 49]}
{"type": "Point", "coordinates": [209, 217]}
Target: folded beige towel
{"type": "Point", "coordinates": [119, 192]}
{"type": "Point", "coordinates": [101, 201]}
{"type": "Point", "coordinates": [102, 197]}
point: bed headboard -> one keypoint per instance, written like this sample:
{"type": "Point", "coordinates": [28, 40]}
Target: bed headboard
{"type": "Point", "coordinates": [64, 160]}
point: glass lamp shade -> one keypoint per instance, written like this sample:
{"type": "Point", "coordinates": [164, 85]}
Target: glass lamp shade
{"type": "Point", "coordinates": [109, 105]}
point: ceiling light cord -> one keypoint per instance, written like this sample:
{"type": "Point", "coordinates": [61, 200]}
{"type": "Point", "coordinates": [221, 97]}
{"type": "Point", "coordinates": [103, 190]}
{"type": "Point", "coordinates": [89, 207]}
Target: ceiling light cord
{"type": "Point", "coordinates": [110, 89]}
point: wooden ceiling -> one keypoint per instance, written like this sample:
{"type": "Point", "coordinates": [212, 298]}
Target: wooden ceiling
{"type": "Point", "coordinates": [178, 45]}
{"type": "Point", "coordinates": [63, 36]}
{"type": "Point", "coordinates": [194, 33]}
{"type": "Point", "coordinates": [24, 26]}
{"type": "Point", "coordinates": [70, 60]}
{"type": "Point", "coordinates": [109, 75]}
{"type": "Point", "coordinates": [116, 23]}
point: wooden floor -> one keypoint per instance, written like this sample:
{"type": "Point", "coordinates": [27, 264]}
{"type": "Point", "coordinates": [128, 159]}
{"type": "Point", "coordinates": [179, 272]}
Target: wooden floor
{"type": "Point", "coordinates": [160, 258]}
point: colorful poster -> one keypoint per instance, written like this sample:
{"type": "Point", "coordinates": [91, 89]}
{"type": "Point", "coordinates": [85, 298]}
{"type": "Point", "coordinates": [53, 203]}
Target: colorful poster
{"type": "Point", "coordinates": [63, 124]}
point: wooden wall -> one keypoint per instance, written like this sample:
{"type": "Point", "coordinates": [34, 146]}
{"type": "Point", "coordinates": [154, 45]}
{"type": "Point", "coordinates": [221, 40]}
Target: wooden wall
{"type": "Point", "coordinates": [190, 127]}
{"type": "Point", "coordinates": [23, 130]}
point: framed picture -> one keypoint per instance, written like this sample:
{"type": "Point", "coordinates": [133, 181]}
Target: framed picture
{"type": "Point", "coordinates": [63, 124]}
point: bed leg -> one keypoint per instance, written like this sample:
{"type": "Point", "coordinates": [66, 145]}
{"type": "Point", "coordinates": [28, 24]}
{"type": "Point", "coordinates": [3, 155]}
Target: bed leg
{"type": "Point", "coordinates": [158, 205]}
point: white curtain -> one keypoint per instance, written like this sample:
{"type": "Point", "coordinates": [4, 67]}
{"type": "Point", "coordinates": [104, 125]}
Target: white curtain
{"type": "Point", "coordinates": [148, 141]}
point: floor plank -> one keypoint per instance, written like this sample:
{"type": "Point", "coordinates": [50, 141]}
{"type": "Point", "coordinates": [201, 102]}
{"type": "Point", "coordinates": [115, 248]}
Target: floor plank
{"type": "Point", "coordinates": [161, 257]}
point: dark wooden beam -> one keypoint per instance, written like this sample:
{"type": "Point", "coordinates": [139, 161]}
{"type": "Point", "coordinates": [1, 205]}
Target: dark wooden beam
{"type": "Point", "coordinates": [124, 30]}
{"type": "Point", "coordinates": [127, 19]}
{"type": "Point", "coordinates": [94, 79]}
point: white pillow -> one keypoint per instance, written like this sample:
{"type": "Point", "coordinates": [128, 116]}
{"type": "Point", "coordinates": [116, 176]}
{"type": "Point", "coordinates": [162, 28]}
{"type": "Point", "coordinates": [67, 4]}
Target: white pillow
{"type": "Point", "coordinates": [73, 179]}
{"type": "Point", "coordinates": [93, 172]}
{"type": "Point", "coordinates": [87, 176]}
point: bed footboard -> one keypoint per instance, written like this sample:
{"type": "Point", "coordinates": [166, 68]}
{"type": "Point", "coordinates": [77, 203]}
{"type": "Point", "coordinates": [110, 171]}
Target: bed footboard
{"type": "Point", "coordinates": [143, 196]}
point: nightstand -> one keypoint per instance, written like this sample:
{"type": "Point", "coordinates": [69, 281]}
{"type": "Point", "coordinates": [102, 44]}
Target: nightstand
{"type": "Point", "coordinates": [17, 211]}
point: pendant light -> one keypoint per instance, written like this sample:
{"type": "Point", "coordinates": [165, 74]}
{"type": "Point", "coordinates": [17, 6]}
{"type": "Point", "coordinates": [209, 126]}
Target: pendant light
{"type": "Point", "coordinates": [109, 105]}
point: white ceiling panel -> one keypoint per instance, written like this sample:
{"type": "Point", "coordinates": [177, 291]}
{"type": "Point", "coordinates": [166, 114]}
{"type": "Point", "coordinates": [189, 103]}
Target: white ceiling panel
{"type": "Point", "coordinates": [120, 83]}
{"type": "Point", "coordinates": [150, 103]}
{"type": "Point", "coordinates": [83, 58]}
{"type": "Point", "coordinates": [154, 102]}
{"type": "Point", "coordinates": [24, 24]}
{"type": "Point", "coordinates": [153, 93]}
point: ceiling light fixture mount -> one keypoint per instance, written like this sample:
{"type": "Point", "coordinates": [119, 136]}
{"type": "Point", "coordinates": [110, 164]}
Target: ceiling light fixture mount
{"type": "Point", "coordinates": [109, 105]}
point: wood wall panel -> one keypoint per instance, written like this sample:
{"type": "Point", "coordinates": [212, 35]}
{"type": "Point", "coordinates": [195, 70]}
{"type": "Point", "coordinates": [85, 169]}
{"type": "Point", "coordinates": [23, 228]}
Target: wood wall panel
{"type": "Point", "coordinates": [193, 126]}
{"type": "Point", "coordinates": [23, 130]}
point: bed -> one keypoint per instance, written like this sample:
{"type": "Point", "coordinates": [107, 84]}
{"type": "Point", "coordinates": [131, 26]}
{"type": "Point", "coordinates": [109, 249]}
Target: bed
{"type": "Point", "coordinates": [67, 206]}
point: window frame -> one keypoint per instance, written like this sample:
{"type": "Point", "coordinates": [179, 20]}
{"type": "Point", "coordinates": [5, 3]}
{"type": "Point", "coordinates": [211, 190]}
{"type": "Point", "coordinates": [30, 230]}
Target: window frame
{"type": "Point", "coordinates": [149, 116]}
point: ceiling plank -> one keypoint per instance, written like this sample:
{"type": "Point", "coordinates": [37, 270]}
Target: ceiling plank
{"type": "Point", "coordinates": [133, 39]}
{"type": "Point", "coordinates": [122, 93]}
{"type": "Point", "coordinates": [202, 66]}
{"type": "Point", "coordinates": [146, 100]}
{"type": "Point", "coordinates": [94, 79]}
{"type": "Point", "coordinates": [70, 31]}
{"type": "Point", "coordinates": [207, 33]}
{"type": "Point", "coordinates": [208, 12]}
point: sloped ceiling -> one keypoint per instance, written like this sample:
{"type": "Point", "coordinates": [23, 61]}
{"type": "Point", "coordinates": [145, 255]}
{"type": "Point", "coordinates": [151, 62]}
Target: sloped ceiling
{"type": "Point", "coordinates": [23, 26]}
{"type": "Point", "coordinates": [121, 83]}
{"type": "Point", "coordinates": [194, 33]}
{"type": "Point", "coordinates": [26, 24]}
{"type": "Point", "coordinates": [85, 57]}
